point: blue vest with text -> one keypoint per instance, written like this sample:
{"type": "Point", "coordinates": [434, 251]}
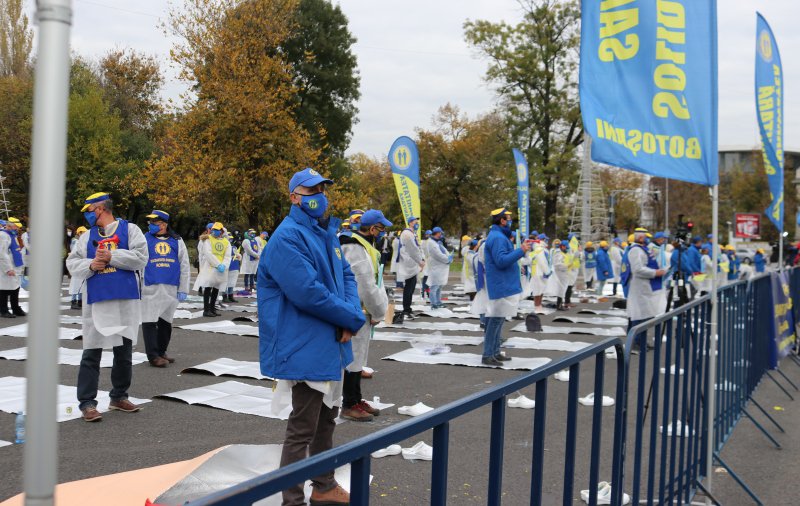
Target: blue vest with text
{"type": "Point", "coordinates": [15, 249]}
{"type": "Point", "coordinates": [656, 283]}
{"type": "Point", "coordinates": [591, 259]}
{"type": "Point", "coordinates": [163, 266]}
{"type": "Point", "coordinates": [235, 264]}
{"type": "Point", "coordinates": [254, 247]}
{"type": "Point", "coordinates": [111, 283]}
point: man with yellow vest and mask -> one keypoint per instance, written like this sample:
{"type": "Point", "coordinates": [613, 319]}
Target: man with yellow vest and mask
{"type": "Point", "coordinates": [359, 250]}
{"type": "Point", "coordinates": [215, 257]}
{"type": "Point", "coordinates": [108, 258]}
{"type": "Point", "coordinates": [166, 282]}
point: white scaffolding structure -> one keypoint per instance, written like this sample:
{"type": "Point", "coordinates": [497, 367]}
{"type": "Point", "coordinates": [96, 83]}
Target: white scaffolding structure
{"type": "Point", "coordinates": [589, 210]}
{"type": "Point", "coordinates": [4, 195]}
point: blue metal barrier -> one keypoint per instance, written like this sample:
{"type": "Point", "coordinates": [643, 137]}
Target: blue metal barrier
{"type": "Point", "coordinates": [358, 452]}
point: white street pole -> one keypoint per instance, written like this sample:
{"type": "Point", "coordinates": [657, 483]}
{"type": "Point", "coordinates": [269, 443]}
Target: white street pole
{"type": "Point", "coordinates": [48, 168]}
{"type": "Point", "coordinates": [711, 390]}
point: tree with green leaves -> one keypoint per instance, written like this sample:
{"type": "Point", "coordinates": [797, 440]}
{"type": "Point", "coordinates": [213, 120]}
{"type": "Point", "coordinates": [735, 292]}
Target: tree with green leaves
{"type": "Point", "coordinates": [533, 65]}
{"type": "Point", "coordinates": [16, 39]}
{"type": "Point", "coordinates": [319, 51]}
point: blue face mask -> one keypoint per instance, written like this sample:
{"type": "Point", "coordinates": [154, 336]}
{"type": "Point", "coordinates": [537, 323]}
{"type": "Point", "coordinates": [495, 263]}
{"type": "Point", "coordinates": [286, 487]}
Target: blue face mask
{"type": "Point", "coordinates": [416, 227]}
{"type": "Point", "coordinates": [153, 229]}
{"type": "Point", "coordinates": [381, 234]}
{"type": "Point", "coordinates": [314, 205]}
{"type": "Point", "coordinates": [91, 218]}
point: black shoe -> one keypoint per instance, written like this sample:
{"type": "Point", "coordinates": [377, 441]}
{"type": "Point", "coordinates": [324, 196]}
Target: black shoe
{"type": "Point", "coordinates": [410, 316]}
{"type": "Point", "coordinates": [210, 314]}
{"type": "Point", "coordinates": [231, 299]}
{"type": "Point", "coordinates": [502, 358]}
{"type": "Point", "coordinates": [492, 361]}
{"type": "Point", "coordinates": [18, 311]}
{"type": "Point", "coordinates": [80, 303]}
{"type": "Point", "coordinates": [214, 312]}
{"type": "Point", "coordinates": [7, 315]}
{"type": "Point", "coordinates": [224, 297]}
{"type": "Point", "coordinates": [75, 305]}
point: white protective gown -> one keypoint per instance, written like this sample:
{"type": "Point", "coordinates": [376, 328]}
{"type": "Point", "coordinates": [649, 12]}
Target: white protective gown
{"type": "Point", "coordinates": [209, 276]}
{"type": "Point", "coordinates": [481, 300]}
{"type": "Point", "coordinates": [26, 242]}
{"type": "Point", "coordinates": [7, 264]}
{"type": "Point", "coordinates": [643, 302]}
{"type": "Point", "coordinates": [574, 268]}
{"type": "Point", "coordinates": [374, 300]}
{"type": "Point", "coordinates": [708, 270]}
{"type": "Point", "coordinates": [557, 283]}
{"type": "Point", "coordinates": [106, 323]}
{"type": "Point", "coordinates": [249, 266]}
{"type": "Point", "coordinates": [74, 282]}
{"type": "Point", "coordinates": [542, 271]}
{"type": "Point", "coordinates": [393, 264]}
{"type": "Point", "coordinates": [410, 256]}
{"type": "Point", "coordinates": [423, 246]}
{"type": "Point", "coordinates": [467, 273]}
{"type": "Point", "coordinates": [233, 275]}
{"type": "Point", "coordinates": [437, 263]}
{"type": "Point", "coordinates": [161, 301]}
{"type": "Point", "coordinates": [615, 255]}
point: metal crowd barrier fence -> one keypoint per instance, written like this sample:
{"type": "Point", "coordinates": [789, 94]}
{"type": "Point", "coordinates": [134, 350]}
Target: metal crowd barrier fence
{"type": "Point", "coordinates": [357, 452]}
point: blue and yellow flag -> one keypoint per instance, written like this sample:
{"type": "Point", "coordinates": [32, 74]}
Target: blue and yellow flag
{"type": "Point", "coordinates": [404, 161]}
{"type": "Point", "coordinates": [523, 205]}
{"type": "Point", "coordinates": [648, 86]}
{"type": "Point", "coordinates": [769, 109]}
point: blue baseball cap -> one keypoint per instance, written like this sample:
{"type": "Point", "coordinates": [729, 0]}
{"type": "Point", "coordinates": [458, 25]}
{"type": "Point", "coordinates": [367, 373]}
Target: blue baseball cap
{"type": "Point", "coordinates": [543, 237]}
{"type": "Point", "coordinates": [411, 218]}
{"type": "Point", "coordinates": [697, 238]}
{"type": "Point", "coordinates": [710, 236]}
{"type": "Point", "coordinates": [617, 240]}
{"type": "Point", "coordinates": [437, 230]}
{"type": "Point", "coordinates": [210, 224]}
{"type": "Point", "coordinates": [307, 177]}
{"type": "Point", "coordinates": [374, 217]}
{"type": "Point", "coordinates": [94, 199]}
{"type": "Point", "coordinates": [660, 235]}
{"type": "Point", "coordinates": [157, 214]}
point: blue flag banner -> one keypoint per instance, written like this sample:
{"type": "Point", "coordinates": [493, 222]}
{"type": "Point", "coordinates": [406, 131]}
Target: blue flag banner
{"type": "Point", "coordinates": [769, 109]}
{"type": "Point", "coordinates": [783, 336]}
{"type": "Point", "coordinates": [404, 161]}
{"type": "Point", "coordinates": [648, 86]}
{"type": "Point", "coordinates": [523, 202]}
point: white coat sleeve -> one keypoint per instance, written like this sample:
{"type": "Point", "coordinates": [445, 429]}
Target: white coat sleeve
{"type": "Point", "coordinates": [249, 250]}
{"type": "Point", "coordinates": [435, 253]}
{"type": "Point", "coordinates": [208, 255]}
{"type": "Point", "coordinates": [77, 263]}
{"type": "Point", "coordinates": [639, 268]}
{"type": "Point", "coordinates": [558, 262]}
{"type": "Point", "coordinates": [183, 258]}
{"type": "Point", "coordinates": [228, 256]}
{"type": "Point", "coordinates": [409, 246]}
{"type": "Point", "coordinates": [372, 296]}
{"type": "Point", "coordinates": [135, 257]}
{"type": "Point", "coordinates": [6, 260]}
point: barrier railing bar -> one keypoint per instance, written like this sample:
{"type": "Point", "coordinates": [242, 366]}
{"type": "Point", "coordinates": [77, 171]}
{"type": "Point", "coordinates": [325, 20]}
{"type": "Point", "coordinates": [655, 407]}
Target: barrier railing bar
{"type": "Point", "coordinates": [441, 450]}
{"type": "Point", "coordinates": [761, 428]}
{"type": "Point", "coordinates": [572, 429]}
{"type": "Point", "coordinates": [737, 479]}
{"type": "Point", "coordinates": [496, 450]}
{"type": "Point", "coordinates": [770, 376]}
{"type": "Point", "coordinates": [620, 426]}
{"type": "Point", "coordinates": [637, 448]}
{"type": "Point", "coordinates": [654, 387]}
{"type": "Point", "coordinates": [359, 480]}
{"type": "Point", "coordinates": [766, 413]}
{"type": "Point", "coordinates": [597, 424]}
{"type": "Point", "coordinates": [663, 476]}
{"type": "Point", "coordinates": [685, 434]}
{"type": "Point", "coordinates": [787, 379]}
{"type": "Point", "coordinates": [537, 467]}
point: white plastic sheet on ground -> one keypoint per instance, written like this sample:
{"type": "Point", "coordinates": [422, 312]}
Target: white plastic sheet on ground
{"type": "Point", "coordinates": [12, 399]}
{"type": "Point", "coordinates": [223, 327]}
{"type": "Point", "coordinates": [414, 356]}
{"type": "Point", "coordinates": [190, 305]}
{"type": "Point", "coordinates": [229, 367]}
{"type": "Point", "coordinates": [587, 331]}
{"type": "Point", "coordinates": [69, 356]}
{"type": "Point", "coordinates": [605, 312]}
{"type": "Point", "coordinates": [242, 309]}
{"type": "Point", "coordinates": [68, 319]}
{"type": "Point", "coordinates": [5, 443]}
{"type": "Point", "coordinates": [591, 321]}
{"type": "Point", "coordinates": [185, 314]}
{"type": "Point", "coordinates": [526, 343]}
{"type": "Point", "coordinates": [22, 331]}
{"type": "Point", "coordinates": [436, 338]}
{"type": "Point", "coordinates": [470, 327]}
{"type": "Point", "coordinates": [233, 396]}
{"type": "Point", "coordinates": [438, 313]}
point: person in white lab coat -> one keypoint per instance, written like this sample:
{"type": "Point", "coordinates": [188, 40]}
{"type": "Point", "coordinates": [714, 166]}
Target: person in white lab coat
{"type": "Point", "coordinates": [438, 264]}
{"type": "Point", "coordinates": [166, 283]}
{"type": "Point", "coordinates": [74, 282]}
{"type": "Point", "coordinates": [359, 250]}
{"type": "Point", "coordinates": [542, 270]}
{"type": "Point", "coordinates": [214, 253]}
{"type": "Point", "coordinates": [411, 262]}
{"type": "Point", "coordinates": [468, 253]}
{"type": "Point", "coordinates": [109, 258]}
{"type": "Point", "coordinates": [557, 283]}
{"type": "Point", "coordinates": [615, 254]}
{"type": "Point", "coordinates": [12, 268]}
{"type": "Point", "coordinates": [398, 283]}
{"type": "Point", "coordinates": [425, 291]}
{"type": "Point", "coordinates": [643, 282]}
{"type": "Point", "coordinates": [251, 247]}
{"type": "Point", "coordinates": [234, 267]}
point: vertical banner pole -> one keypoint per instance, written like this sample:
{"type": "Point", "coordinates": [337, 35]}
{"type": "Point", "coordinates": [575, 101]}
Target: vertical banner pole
{"type": "Point", "coordinates": [711, 391]}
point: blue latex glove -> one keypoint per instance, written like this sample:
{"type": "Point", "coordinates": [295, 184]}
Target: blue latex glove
{"type": "Point", "coordinates": [221, 268]}
{"type": "Point", "coordinates": [450, 258]}
{"type": "Point", "coordinates": [24, 282]}
{"type": "Point", "coordinates": [181, 296]}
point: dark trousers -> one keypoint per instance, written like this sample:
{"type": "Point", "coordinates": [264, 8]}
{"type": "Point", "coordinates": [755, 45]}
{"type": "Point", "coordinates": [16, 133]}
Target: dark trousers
{"type": "Point", "coordinates": [425, 287]}
{"type": "Point", "coordinates": [568, 295]}
{"type": "Point", "coordinates": [5, 297]}
{"type": "Point", "coordinates": [309, 431]}
{"type": "Point", "coordinates": [409, 285]}
{"type": "Point", "coordinates": [89, 374]}
{"type": "Point", "coordinates": [249, 281]}
{"type": "Point", "coordinates": [614, 287]}
{"type": "Point", "coordinates": [210, 298]}
{"type": "Point", "coordinates": [351, 389]}
{"type": "Point", "coordinates": [640, 339]}
{"type": "Point", "coordinates": [156, 338]}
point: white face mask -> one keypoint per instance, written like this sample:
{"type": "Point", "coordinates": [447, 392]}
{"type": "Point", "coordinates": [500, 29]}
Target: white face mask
{"type": "Point", "coordinates": [69, 233]}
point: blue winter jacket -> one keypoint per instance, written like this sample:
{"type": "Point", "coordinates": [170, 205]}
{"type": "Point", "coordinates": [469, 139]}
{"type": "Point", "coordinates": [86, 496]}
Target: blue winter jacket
{"type": "Point", "coordinates": [502, 270]}
{"type": "Point", "coordinates": [306, 291]}
{"type": "Point", "coordinates": [604, 269]}
{"type": "Point", "coordinates": [761, 262]}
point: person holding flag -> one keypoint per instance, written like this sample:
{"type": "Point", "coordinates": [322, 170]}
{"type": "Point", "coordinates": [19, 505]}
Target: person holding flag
{"type": "Point", "coordinates": [502, 283]}
{"type": "Point", "coordinates": [411, 262]}
{"type": "Point", "coordinates": [166, 283]}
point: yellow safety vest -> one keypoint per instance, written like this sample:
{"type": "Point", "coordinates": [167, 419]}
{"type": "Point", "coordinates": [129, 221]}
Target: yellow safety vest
{"type": "Point", "coordinates": [373, 253]}
{"type": "Point", "coordinates": [219, 247]}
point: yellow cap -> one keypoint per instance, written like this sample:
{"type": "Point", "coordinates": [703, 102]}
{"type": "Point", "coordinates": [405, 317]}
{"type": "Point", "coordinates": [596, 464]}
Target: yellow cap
{"type": "Point", "coordinates": [589, 244]}
{"type": "Point", "coordinates": [502, 210]}
{"type": "Point", "coordinates": [94, 198]}
{"type": "Point", "coordinates": [217, 226]}
{"type": "Point", "coordinates": [630, 238]}
{"type": "Point", "coordinates": [346, 223]}
{"type": "Point", "coordinates": [624, 244]}
{"type": "Point", "coordinates": [465, 237]}
{"type": "Point", "coordinates": [760, 250]}
{"type": "Point", "coordinates": [15, 221]}
{"type": "Point", "coordinates": [730, 247]}
{"type": "Point", "coordinates": [81, 230]}
{"type": "Point", "coordinates": [603, 244]}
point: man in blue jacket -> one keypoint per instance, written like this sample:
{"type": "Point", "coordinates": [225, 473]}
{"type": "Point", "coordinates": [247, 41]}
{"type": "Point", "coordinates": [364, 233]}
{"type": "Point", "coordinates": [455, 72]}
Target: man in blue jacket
{"type": "Point", "coordinates": [308, 309]}
{"type": "Point", "coordinates": [605, 270]}
{"type": "Point", "coordinates": [502, 283]}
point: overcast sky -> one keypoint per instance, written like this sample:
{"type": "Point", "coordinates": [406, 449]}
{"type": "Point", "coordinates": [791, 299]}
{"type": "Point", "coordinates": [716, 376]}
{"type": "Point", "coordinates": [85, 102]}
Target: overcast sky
{"type": "Point", "coordinates": [413, 59]}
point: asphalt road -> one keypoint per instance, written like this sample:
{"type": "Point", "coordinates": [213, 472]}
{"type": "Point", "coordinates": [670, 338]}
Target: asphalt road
{"type": "Point", "coordinates": [168, 431]}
